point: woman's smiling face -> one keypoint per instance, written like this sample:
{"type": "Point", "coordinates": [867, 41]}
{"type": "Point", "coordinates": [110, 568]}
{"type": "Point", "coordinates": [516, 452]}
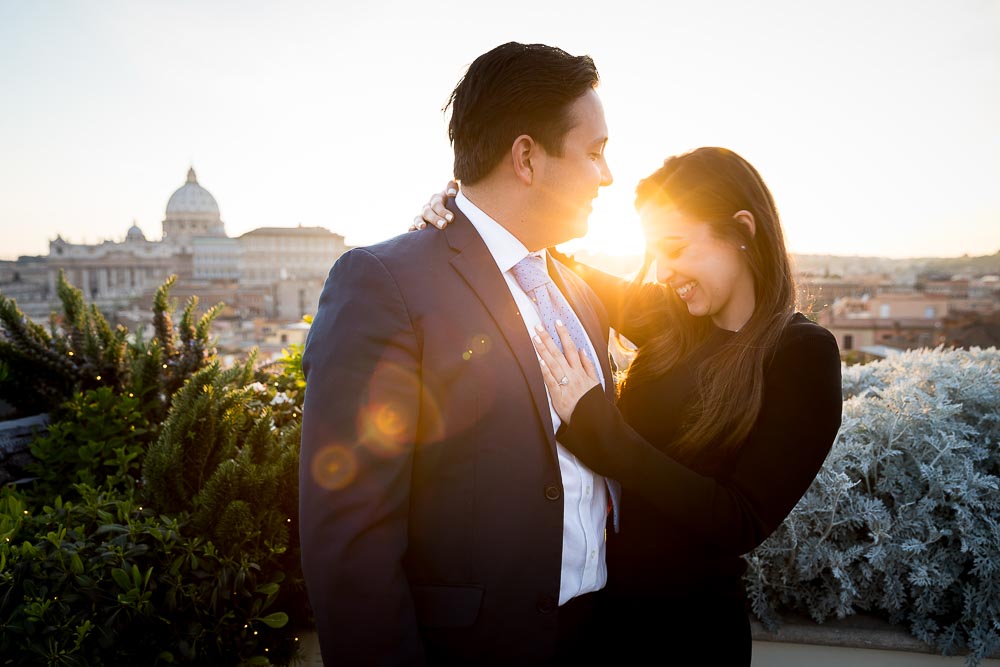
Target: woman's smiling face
{"type": "Point", "coordinates": [709, 274]}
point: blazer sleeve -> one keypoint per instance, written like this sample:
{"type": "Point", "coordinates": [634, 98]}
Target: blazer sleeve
{"type": "Point", "coordinates": [354, 496]}
{"type": "Point", "coordinates": [777, 463]}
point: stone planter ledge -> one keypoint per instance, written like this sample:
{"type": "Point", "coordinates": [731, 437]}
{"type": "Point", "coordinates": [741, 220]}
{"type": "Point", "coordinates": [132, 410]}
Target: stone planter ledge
{"type": "Point", "coordinates": [859, 631]}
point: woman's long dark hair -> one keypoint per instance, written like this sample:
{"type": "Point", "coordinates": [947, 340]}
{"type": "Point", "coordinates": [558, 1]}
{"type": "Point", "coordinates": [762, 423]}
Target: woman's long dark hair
{"type": "Point", "coordinates": [711, 185]}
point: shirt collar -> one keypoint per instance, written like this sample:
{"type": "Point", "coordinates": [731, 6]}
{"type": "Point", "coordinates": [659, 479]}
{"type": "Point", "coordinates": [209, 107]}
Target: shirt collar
{"type": "Point", "coordinates": [504, 246]}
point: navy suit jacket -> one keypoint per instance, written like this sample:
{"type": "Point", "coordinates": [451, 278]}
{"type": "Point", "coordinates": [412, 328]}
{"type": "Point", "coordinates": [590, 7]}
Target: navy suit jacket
{"type": "Point", "coordinates": [430, 496]}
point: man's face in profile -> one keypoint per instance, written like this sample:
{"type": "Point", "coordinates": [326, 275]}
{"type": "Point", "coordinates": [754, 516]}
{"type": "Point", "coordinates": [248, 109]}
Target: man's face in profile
{"type": "Point", "coordinates": [568, 183]}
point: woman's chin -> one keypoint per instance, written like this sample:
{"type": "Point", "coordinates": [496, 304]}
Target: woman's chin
{"type": "Point", "coordinates": [696, 310]}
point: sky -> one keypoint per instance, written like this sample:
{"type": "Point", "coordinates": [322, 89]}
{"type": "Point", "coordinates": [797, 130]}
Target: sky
{"type": "Point", "coordinates": [874, 122]}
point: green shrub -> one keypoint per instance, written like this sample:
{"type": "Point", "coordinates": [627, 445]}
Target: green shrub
{"type": "Point", "coordinates": [96, 438]}
{"type": "Point", "coordinates": [902, 521]}
{"type": "Point", "coordinates": [198, 566]}
{"type": "Point", "coordinates": [81, 351]}
{"type": "Point", "coordinates": [222, 458]}
{"type": "Point", "coordinates": [106, 581]}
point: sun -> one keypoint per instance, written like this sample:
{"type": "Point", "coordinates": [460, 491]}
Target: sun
{"type": "Point", "coordinates": [614, 227]}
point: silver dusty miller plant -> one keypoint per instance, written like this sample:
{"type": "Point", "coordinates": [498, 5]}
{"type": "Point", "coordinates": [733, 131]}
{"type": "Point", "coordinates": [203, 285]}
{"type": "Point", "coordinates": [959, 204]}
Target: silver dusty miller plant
{"type": "Point", "coordinates": [903, 520]}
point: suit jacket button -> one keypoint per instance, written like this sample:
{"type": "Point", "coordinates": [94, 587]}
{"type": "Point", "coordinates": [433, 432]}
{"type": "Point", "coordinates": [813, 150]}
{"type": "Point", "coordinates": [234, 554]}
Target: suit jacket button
{"type": "Point", "coordinates": [552, 492]}
{"type": "Point", "coordinates": [547, 604]}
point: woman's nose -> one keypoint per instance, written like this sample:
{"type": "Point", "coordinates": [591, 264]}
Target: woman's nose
{"type": "Point", "coordinates": [663, 271]}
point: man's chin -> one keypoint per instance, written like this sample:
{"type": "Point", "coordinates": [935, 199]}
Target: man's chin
{"type": "Point", "coordinates": [576, 233]}
{"type": "Point", "coordinates": [572, 230]}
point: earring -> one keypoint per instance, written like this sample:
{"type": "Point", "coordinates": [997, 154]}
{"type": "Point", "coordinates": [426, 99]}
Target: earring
{"type": "Point", "coordinates": [743, 247]}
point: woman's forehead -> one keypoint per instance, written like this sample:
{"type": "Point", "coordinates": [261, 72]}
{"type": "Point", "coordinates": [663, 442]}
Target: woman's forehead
{"type": "Point", "coordinates": [665, 222]}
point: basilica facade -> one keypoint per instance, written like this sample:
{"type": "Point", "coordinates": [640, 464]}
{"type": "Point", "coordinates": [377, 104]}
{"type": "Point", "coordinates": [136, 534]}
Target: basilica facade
{"type": "Point", "coordinates": [271, 272]}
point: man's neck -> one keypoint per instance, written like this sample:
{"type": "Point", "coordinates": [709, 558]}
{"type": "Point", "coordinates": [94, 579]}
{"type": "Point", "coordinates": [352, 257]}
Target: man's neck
{"type": "Point", "coordinates": [505, 208]}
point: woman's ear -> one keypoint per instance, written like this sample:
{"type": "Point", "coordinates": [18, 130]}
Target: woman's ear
{"type": "Point", "coordinates": [522, 151]}
{"type": "Point", "coordinates": [746, 218]}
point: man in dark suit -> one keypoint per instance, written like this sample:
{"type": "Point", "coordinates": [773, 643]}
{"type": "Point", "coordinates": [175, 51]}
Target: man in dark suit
{"type": "Point", "coordinates": [441, 523]}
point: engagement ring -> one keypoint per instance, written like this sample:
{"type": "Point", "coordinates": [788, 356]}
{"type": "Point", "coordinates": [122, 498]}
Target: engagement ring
{"type": "Point", "coordinates": [565, 380]}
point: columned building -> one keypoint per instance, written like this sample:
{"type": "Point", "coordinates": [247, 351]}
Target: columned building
{"type": "Point", "coordinates": [109, 270]}
{"type": "Point", "coordinates": [273, 254]}
{"type": "Point", "coordinates": [271, 272]}
{"type": "Point", "coordinates": [216, 258]}
{"type": "Point", "coordinates": [293, 262]}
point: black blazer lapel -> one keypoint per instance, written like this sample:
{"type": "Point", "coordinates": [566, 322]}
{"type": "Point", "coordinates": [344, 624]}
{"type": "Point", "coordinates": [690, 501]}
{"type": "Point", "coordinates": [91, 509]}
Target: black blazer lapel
{"type": "Point", "coordinates": [477, 267]}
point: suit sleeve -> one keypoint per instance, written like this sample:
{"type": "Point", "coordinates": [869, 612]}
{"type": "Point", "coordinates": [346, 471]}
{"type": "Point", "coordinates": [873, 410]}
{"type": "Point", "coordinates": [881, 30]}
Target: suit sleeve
{"type": "Point", "coordinates": [777, 463]}
{"type": "Point", "coordinates": [354, 480]}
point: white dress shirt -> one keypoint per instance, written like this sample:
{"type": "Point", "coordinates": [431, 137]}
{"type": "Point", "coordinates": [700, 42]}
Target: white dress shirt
{"type": "Point", "coordinates": [585, 499]}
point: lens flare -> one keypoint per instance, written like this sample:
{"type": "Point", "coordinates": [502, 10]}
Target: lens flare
{"type": "Point", "coordinates": [477, 346]}
{"type": "Point", "coordinates": [390, 421]}
{"type": "Point", "coordinates": [399, 411]}
{"type": "Point", "coordinates": [383, 428]}
{"type": "Point", "coordinates": [334, 467]}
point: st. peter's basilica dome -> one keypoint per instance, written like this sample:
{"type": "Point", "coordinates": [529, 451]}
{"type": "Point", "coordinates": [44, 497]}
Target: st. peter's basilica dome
{"type": "Point", "coordinates": [192, 198]}
{"type": "Point", "coordinates": [192, 212]}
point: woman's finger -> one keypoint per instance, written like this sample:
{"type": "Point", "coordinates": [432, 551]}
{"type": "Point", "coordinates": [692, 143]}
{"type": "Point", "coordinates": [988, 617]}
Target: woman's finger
{"type": "Point", "coordinates": [569, 347]}
{"type": "Point", "coordinates": [428, 214]}
{"type": "Point", "coordinates": [437, 205]}
{"type": "Point", "coordinates": [553, 349]}
{"type": "Point", "coordinates": [550, 380]}
{"type": "Point", "coordinates": [548, 352]}
{"type": "Point", "coordinates": [588, 366]}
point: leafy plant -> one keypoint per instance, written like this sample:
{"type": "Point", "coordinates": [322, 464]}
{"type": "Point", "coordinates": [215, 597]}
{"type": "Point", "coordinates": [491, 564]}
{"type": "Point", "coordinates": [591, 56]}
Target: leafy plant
{"type": "Point", "coordinates": [97, 438]}
{"type": "Point", "coordinates": [81, 351]}
{"type": "Point", "coordinates": [288, 382]}
{"type": "Point", "coordinates": [106, 581]}
{"type": "Point", "coordinates": [198, 567]}
{"type": "Point", "coordinates": [222, 458]}
{"type": "Point", "coordinates": [902, 521]}
{"type": "Point", "coordinates": [224, 462]}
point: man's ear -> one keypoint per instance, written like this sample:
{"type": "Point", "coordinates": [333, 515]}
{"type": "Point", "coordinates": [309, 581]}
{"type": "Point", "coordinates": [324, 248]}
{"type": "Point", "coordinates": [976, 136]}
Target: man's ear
{"type": "Point", "coordinates": [522, 152]}
{"type": "Point", "coordinates": [746, 218]}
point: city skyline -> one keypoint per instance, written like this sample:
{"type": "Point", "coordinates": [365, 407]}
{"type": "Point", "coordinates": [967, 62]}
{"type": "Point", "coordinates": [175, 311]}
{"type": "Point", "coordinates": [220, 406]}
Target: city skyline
{"type": "Point", "coordinates": [873, 124]}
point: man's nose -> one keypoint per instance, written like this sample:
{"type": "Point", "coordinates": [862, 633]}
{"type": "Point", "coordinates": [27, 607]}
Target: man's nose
{"type": "Point", "coordinates": [606, 177]}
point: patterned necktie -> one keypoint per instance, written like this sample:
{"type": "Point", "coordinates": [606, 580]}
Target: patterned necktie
{"type": "Point", "coordinates": [531, 275]}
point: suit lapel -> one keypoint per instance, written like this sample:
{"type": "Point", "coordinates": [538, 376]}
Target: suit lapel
{"type": "Point", "coordinates": [475, 264]}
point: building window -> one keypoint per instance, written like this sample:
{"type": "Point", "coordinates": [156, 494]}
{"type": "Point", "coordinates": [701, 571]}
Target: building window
{"type": "Point", "coordinates": [848, 342]}
{"type": "Point", "coordinates": [883, 310]}
{"type": "Point", "coordinates": [929, 312]}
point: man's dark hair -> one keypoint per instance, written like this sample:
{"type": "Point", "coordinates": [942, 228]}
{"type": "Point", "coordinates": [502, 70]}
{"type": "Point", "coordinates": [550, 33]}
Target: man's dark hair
{"type": "Point", "coordinates": [512, 90]}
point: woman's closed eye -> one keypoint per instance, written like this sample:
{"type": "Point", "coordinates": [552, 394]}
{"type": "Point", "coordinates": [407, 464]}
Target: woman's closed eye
{"type": "Point", "coordinates": [672, 249]}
